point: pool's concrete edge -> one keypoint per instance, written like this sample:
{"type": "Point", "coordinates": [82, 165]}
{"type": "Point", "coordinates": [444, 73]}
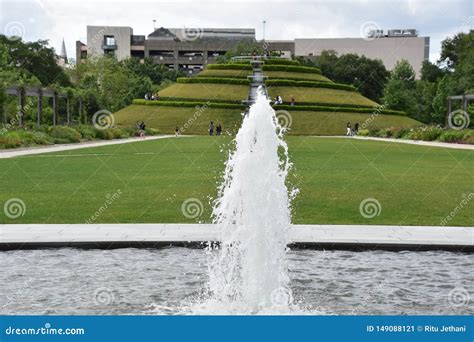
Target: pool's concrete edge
{"type": "Point", "coordinates": [353, 237]}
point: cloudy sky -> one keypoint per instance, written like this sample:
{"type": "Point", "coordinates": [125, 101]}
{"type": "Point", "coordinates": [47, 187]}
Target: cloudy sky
{"type": "Point", "coordinates": [286, 19]}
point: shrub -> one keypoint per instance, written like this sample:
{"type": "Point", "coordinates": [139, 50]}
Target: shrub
{"type": "Point", "coordinates": [336, 108]}
{"type": "Point", "coordinates": [363, 132]}
{"type": "Point", "coordinates": [399, 133]}
{"type": "Point", "coordinates": [188, 104]}
{"type": "Point", "coordinates": [424, 133]}
{"type": "Point", "coordinates": [10, 140]}
{"type": "Point", "coordinates": [384, 133]}
{"type": "Point", "coordinates": [233, 66]}
{"type": "Point", "coordinates": [103, 134]}
{"type": "Point", "coordinates": [291, 68]}
{"type": "Point", "coordinates": [87, 132]}
{"type": "Point", "coordinates": [453, 136]}
{"type": "Point", "coordinates": [309, 84]}
{"type": "Point", "coordinates": [217, 80]}
{"type": "Point", "coordinates": [152, 131]}
{"type": "Point", "coordinates": [64, 134]}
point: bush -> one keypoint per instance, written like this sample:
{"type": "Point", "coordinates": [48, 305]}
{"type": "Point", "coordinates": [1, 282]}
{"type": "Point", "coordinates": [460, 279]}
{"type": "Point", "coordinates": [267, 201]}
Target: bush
{"type": "Point", "coordinates": [188, 104]}
{"type": "Point", "coordinates": [152, 131]}
{"type": "Point", "coordinates": [336, 108]}
{"type": "Point", "coordinates": [452, 136]}
{"type": "Point", "coordinates": [233, 66]}
{"type": "Point", "coordinates": [399, 133]}
{"type": "Point", "coordinates": [103, 134]}
{"type": "Point", "coordinates": [64, 134]}
{"type": "Point", "coordinates": [291, 68]}
{"type": "Point", "coordinates": [429, 133]}
{"type": "Point", "coordinates": [217, 80]}
{"type": "Point", "coordinates": [86, 132]}
{"type": "Point", "coordinates": [363, 132]}
{"type": "Point", "coordinates": [309, 84]}
{"type": "Point", "coordinates": [10, 140]}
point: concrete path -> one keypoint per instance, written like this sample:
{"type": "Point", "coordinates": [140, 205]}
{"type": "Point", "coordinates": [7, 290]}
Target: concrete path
{"type": "Point", "coordinates": [418, 142]}
{"type": "Point", "coordinates": [18, 236]}
{"type": "Point", "coordinates": [68, 147]}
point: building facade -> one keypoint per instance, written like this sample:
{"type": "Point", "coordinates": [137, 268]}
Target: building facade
{"type": "Point", "coordinates": [191, 49]}
{"type": "Point", "coordinates": [184, 49]}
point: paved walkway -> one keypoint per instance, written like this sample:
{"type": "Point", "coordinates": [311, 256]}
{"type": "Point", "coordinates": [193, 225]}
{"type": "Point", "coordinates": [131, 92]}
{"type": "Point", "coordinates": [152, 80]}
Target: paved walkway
{"type": "Point", "coordinates": [17, 236]}
{"type": "Point", "coordinates": [67, 147]}
{"type": "Point", "coordinates": [418, 142]}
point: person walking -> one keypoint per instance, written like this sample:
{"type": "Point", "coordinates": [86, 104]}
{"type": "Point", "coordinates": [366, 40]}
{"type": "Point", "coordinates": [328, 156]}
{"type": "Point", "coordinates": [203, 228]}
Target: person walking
{"type": "Point", "coordinates": [218, 129]}
{"type": "Point", "coordinates": [356, 128]}
{"type": "Point", "coordinates": [211, 128]}
{"type": "Point", "coordinates": [348, 129]}
{"type": "Point", "coordinates": [176, 132]}
{"type": "Point", "coordinates": [142, 130]}
{"type": "Point", "coordinates": [292, 103]}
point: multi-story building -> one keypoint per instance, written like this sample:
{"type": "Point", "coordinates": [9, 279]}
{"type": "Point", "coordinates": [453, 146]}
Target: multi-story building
{"type": "Point", "coordinates": [184, 49]}
{"type": "Point", "coordinates": [191, 49]}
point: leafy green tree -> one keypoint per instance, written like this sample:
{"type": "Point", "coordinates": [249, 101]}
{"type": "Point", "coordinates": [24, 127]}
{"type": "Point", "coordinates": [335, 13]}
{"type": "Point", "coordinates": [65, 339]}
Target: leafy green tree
{"type": "Point", "coordinates": [369, 76]}
{"type": "Point", "coordinates": [455, 49]}
{"type": "Point", "coordinates": [399, 93]}
{"type": "Point", "coordinates": [156, 72]}
{"type": "Point", "coordinates": [431, 72]}
{"type": "Point", "coordinates": [34, 59]}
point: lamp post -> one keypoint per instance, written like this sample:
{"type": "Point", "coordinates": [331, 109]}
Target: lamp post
{"type": "Point", "coordinates": [154, 24]}
{"type": "Point", "coordinates": [264, 22]}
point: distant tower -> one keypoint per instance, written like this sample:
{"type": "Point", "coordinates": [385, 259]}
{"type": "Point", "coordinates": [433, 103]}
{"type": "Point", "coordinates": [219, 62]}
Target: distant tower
{"type": "Point", "coordinates": [63, 53]}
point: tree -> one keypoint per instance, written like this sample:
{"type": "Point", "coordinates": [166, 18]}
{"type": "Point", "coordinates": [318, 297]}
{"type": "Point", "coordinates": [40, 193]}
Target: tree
{"type": "Point", "coordinates": [455, 49]}
{"type": "Point", "coordinates": [34, 59]}
{"type": "Point", "coordinates": [369, 76]}
{"type": "Point", "coordinates": [431, 72]}
{"type": "Point", "coordinates": [399, 93]}
{"type": "Point", "coordinates": [156, 72]}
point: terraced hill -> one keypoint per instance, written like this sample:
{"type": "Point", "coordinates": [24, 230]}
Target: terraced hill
{"type": "Point", "coordinates": [322, 107]}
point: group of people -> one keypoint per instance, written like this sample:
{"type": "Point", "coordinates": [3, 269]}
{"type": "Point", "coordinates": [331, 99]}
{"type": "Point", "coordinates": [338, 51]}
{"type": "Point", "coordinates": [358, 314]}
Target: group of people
{"type": "Point", "coordinates": [141, 129]}
{"type": "Point", "coordinates": [151, 97]}
{"type": "Point", "coordinates": [351, 132]}
{"type": "Point", "coordinates": [218, 128]}
{"type": "Point", "coordinates": [278, 100]}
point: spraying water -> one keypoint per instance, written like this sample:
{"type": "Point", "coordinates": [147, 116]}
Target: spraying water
{"type": "Point", "coordinates": [248, 273]}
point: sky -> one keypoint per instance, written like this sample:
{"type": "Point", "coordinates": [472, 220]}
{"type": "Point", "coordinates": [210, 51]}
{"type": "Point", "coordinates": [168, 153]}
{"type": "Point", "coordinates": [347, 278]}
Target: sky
{"type": "Point", "coordinates": [285, 19]}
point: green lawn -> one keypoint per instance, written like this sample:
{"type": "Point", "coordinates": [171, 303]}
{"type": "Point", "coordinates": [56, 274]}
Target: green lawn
{"type": "Point", "coordinates": [206, 91]}
{"type": "Point", "coordinates": [414, 184]}
{"type": "Point", "coordinates": [167, 118]}
{"type": "Point", "coordinates": [303, 123]}
{"type": "Point", "coordinates": [323, 95]}
{"type": "Point", "coordinates": [271, 75]}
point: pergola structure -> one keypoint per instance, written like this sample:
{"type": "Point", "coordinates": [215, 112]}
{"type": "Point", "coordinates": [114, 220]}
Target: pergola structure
{"type": "Point", "coordinates": [464, 98]}
{"type": "Point", "coordinates": [39, 92]}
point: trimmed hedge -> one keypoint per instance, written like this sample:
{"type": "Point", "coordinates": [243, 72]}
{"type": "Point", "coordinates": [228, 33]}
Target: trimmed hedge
{"type": "Point", "coordinates": [218, 80]}
{"type": "Point", "coordinates": [187, 99]}
{"type": "Point", "coordinates": [271, 61]}
{"type": "Point", "coordinates": [228, 105]}
{"type": "Point", "coordinates": [338, 108]}
{"type": "Point", "coordinates": [188, 104]}
{"type": "Point", "coordinates": [309, 84]}
{"type": "Point", "coordinates": [231, 66]}
{"type": "Point", "coordinates": [291, 68]}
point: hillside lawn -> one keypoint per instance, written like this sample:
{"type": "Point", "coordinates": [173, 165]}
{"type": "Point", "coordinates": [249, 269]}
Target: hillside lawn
{"type": "Point", "coordinates": [303, 123]}
{"type": "Point", "coordinates": [323, 95]}
{"type": "Point", "coordinates": [209, 91]}
{"type": "Point", "coordinates": [271, 75]}
{"type": "Point", "coordinates": [415, 185]}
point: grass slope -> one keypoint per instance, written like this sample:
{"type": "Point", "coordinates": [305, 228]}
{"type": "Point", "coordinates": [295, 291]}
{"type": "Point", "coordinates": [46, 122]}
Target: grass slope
{"type": "Point", "coordinates": [415, 185]}
{"type": "Point", "coordinates": [206, 91]}
{"type": "Point", "coordinates": [167, 118]}
{"type": "Point", "coordinates": [270, 74]}
{"type": "Point", "coordinates": [302, 123]}
{"type": "Point", "coordinates": [322, 95]}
